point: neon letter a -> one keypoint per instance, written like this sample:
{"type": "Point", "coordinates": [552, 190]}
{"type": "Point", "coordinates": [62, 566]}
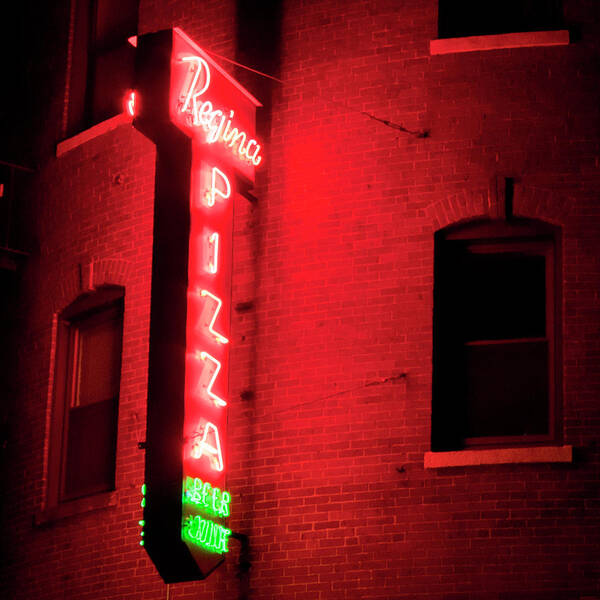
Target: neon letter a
{"type": "Point", "coordinates": [210, 449]}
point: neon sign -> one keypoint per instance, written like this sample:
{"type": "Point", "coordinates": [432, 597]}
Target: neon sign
{"type": "Point", "coordinates": [215, 111]}
{"type": "Point", "coordinates": [207, 349]}
{"type": "Point", "coordinates": [218, 124]}
{"type": "Point", "coordinates": [207, 534]}
{"type": "Point", "coordinates": [141, 522]}
{"type": "Point", "coordinates": [201, 493]}
{"type": "Point", "coordinates": [209, 446]}
{"type": "Point", "coordinates": [130, 104]}
{"type": "Point", "coordinates": [218, 337]}
{"type": "Point", "coordinates": [198, 176]}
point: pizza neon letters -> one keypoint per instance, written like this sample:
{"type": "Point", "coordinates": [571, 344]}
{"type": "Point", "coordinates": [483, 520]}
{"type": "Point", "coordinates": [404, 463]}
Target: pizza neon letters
{"type": "Point", "coordinates": [207, 350]}
{"type": "Point", "coordinates": [209, 446]}
{"type": "Point", "coordinates": [212, 252]}
{"type": "Point", "coordinates": [214, 312]}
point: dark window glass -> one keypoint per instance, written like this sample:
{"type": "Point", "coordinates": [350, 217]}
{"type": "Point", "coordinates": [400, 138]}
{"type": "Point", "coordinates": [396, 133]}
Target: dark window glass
{"type": "Point", "coordinates": [494, 343]}
{"type": "Point", "coordinates": [88, 379]}
{"type": "Point", "coordinates": [500, 294]}
{"type": "Point", "coordinates": [507, 389]}
{"type": "Point", "coordinates": [463, 18]}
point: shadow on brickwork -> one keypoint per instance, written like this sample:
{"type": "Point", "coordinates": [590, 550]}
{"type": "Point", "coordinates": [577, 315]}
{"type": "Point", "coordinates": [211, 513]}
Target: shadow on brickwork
{"type": "Point", "coordinates": [259, 47]}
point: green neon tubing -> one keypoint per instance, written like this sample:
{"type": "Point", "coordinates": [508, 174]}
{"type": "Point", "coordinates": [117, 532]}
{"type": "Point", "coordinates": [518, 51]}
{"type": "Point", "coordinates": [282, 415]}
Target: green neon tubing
{"type": "Point", "coordinates": [202, 494]}
{"type": "Point", "coordinates": [207, 534]}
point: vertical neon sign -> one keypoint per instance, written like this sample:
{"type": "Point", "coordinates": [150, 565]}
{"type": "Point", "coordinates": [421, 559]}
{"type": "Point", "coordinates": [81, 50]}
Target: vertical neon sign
{"type": "Point", "coordinates": [207, 349]}
{"type": "Point", "coordinates": [198, 175]}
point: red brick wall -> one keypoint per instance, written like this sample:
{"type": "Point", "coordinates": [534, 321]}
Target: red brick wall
{"type": "Point", "coordinates": [90, 216]}
{"type": "Point", "coordinates": [330, 389]}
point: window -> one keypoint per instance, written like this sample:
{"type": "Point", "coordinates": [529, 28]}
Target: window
{"type": "Point", "coordinates": [463, 18]}
{"type": "Point", "coordinates": [88, 373]}
{"type": "Point", "coordinates": [102, 60]}
{"type": "Point", "coordinates": [495, 330]}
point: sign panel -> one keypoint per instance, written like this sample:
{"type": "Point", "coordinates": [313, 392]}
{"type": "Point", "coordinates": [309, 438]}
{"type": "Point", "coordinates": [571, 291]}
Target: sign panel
{"type": "Point", "coordinates": [205, 499]}
{"type": "Point", "coordinates": [203, 125]}
{"type": "Point", "coordinates": [212, 108]}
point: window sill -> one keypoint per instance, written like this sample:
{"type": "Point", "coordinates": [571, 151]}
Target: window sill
{"type": "Point", "coordinates": [528, 39]}
{"type": "Point", "coordinates": [499, 456]}
{"type": "Point", "coordinates": [93, 132]}
{"type": "Point", "coordinates": [76, 507]}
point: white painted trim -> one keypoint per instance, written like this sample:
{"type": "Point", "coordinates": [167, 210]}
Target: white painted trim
{"type": "Point", "coordinates": [93, 132]}
{"type": "Point", "coordinates": [499, 456]}
{"type": "Point", "coordinates": [475, 43]}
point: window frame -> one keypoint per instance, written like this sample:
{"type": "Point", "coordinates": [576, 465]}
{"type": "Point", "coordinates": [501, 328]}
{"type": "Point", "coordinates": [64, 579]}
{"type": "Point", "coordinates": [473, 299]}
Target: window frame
{"type": "Point", "coordinates": [514, 235]}
{"type": "Point", "coordinates": [107, 300]}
